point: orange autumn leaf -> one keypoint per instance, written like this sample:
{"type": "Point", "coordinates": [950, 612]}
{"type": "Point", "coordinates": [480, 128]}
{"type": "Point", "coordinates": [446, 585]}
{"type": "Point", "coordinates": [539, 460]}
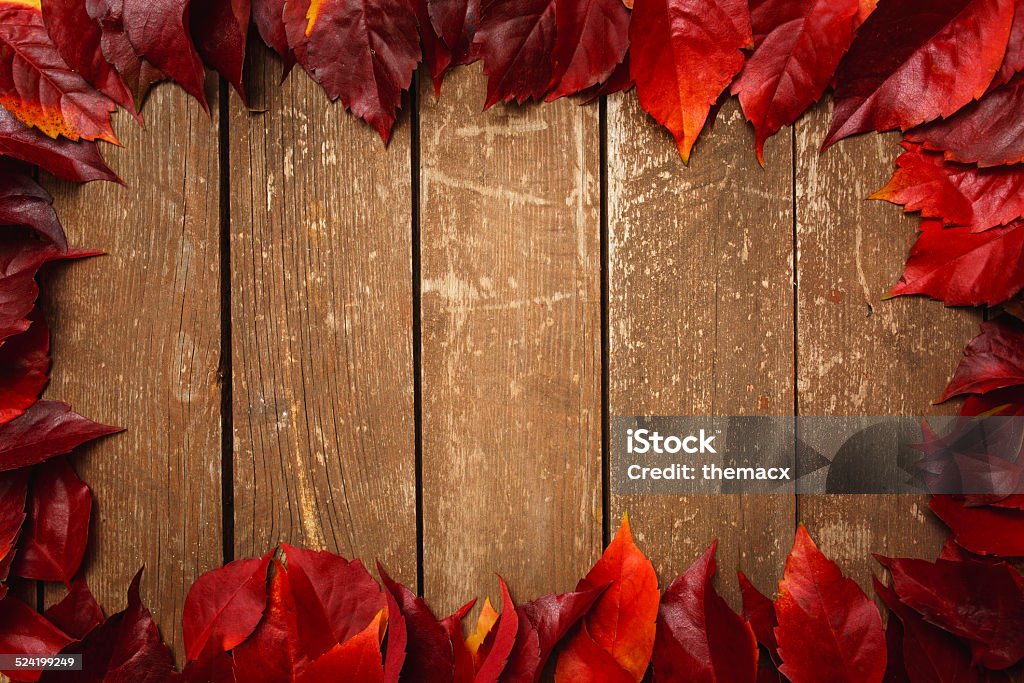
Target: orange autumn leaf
{"type": "Point", "coordinates": [38, 87]}
{"type": "Point", "coordinates": [622, 621]}
{"type": "Point", "coordinates": [484, 623]}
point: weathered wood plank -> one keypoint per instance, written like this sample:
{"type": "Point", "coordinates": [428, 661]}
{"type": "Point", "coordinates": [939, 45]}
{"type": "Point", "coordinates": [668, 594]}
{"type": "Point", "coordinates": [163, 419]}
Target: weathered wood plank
{"type": "Point", "coordinates": [701, 320]}
{"type": "Point", "coordinates": [511, 343]}
{"type": "Point", "coordinates": [321, 310]}
{"type": "Point", "coordinates": [137, 341]}
{"type": "Point", "coordinates": [858, 354]}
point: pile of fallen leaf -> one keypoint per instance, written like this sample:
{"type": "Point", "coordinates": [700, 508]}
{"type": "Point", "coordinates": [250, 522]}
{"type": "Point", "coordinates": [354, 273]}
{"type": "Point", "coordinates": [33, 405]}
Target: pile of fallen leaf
{"type": "Point", "coordinates": [950, 73]}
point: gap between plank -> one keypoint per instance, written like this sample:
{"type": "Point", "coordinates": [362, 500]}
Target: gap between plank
{"type": "Point", "coordinates": [417, 364]}
{"type": "Point", "coordinates": [227, 464]}
{"type": "Point", "coordinates": [606, 494]}
{"type": "Point", "coordinates": [794, 158]}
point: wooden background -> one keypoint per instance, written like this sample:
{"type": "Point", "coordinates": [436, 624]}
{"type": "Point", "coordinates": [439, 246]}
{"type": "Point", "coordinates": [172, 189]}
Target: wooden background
{"type": "Point", "coordinates": [411, 353]}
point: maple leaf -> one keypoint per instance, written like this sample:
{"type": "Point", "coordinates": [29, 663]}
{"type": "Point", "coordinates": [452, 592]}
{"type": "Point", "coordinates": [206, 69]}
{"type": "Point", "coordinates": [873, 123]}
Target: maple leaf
{"type": "Point", "coordinates": [78, 162]}
{"type": "Point", "coordinates": [591, 40]}
{"type": "Point", "coordinates": [983, 530]}
{"type": "Point", "coordinates": [361, 52]}
{"type": "Point", "coordinates": [78, 39]}
{"type": "Point", "coordinates": [23, 630]}
{"type": "Point", "coordinates": [38, 87]}
{"type": "Point", "coordinates": [989, 132]}
{"type": "Point", "coordinates": [993, 360]}
{"type": "Point", "coordinates": [684, 54]}
{"type": "Point", "coordinates": [905, 68]}
{"type": "Point", "coordinates": [224, 606]}
{"type": "Point", "coordinates": [24, 368]}
{"type": "Point", "coordinates": [981, 602]}
{"type": "Point", "coordinates": [962, 268]}
{"type": "Point", "coordinates": [622, 621]}
{"type": "Point", "coordinates": [220, 29]}
{"type": "Point", "coordinates": [828, 629]}
{"type": "Point", "coordinates": [57, 529]}
{"type": "Point", "coordinates": [44, 431]}
{"type": "Point", "coordinates": [24, 202]}
{"type": "Point", "coordinates": [428, 656]}
{"type": "Point", "coordinates": [699, 637]}
{"type": "Point", "coordinates": [958, 194]}
{"type": "Point", "coordinates": [78, 613]}
{"type": "Point", "coordinates": [797, 47]}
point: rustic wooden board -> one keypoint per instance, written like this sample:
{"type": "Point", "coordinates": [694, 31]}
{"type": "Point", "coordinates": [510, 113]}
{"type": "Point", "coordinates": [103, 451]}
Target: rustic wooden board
{"type": "Point", "coordinates": [858, 354]}
{"type": "Point", "coordinates": [321, 312]}
{"type": "Point", "coordinates": [701, 319]}
{"type": "Point", "coordinates": [137, 343]}
{"type": "Point", "coordinates": [511, 343]}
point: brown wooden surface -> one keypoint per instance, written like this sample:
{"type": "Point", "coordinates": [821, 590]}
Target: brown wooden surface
{"type": "Point", "coordinates": [137, 343]}
{"type": "Point", "coordinates": [490, 226]}
{"type": "Point", "coordinates": [511, 343]}
{"type": "Point", "coordinates": [321, 318]}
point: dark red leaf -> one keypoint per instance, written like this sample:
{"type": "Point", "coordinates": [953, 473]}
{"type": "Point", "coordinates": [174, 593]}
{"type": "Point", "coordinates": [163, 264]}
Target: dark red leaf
{"type": "Point", "coordinates": [78, 40]}
{"type": "Point", "coordinates": [759, 612]}
{"type": "Point", "coordinates": [137, 72]}
{"type": "Point", "coordinates": [684, 54]}
{"type": "Point", "coordinates": [46, 430]}
{"type": "Point", "coordinates": [494, 661]}
{"type": "Point", "coordinates": [798, 45]}
{"type": "Point", "coordinates": [699, 637]}
{"type": "Point", "coordinates": [1013, 60]}
{"type": "Point", "coordinates": [361, 52]}
{"type": "Point", "coordinates": [13, 496]}
{"type": "Point", "coordinates": [224, 606]}
{"type": "Point", "coordinates": [620, 80]}
{"type": "Point", "coordinates": [989, 132]}
{"type": "Point", "coordinates": [39, 88]}
{"type": "Point", "coordinates": [1007, 402]}
{"type": "Point", "coordinates": [515, 40]}
{"type": "Point", "coordinates": [79, 162]}
{"type": "Point", "coordinates": [24, 202]}
{"type": "Point", "coordinates": [398, 640]}
{"type": "Point", "coordinates": [24, 368]}
{"type": "Point", "coordinates": [828, 629]}
{"type": "Point", "coordinates": [591, 39]}
{"type": "Point", "coordinates": [986, 530]}
{"type": "Point", "coordinates": [429, 654]}
{"type": "Point", "coordinates": [268, 17]}
{"type": "Point", "coordinates": [217, 669]}
{"type": "Point", "coordinates": [221, 30]}
{"type": "Point", "coordinates": [463, 658]}
{"type": "Point", "coordinates": [981, 602]}
{"type": "Point", "coordinates": [78, 613]}
{"type": "Point", "coordinates": [963, 268]}
{"type": "Point", "coordinates": [334, 598]}
{"type": "Point", "coordinates": [436, 55]}
{"type": "Point", "coordinates": [273, 653]}
{"type": "Point", "coordinates": [895, 74]}
{"type": "Point", "coordinates": [25, 631]}
{"type": "Point", "coordinates": [455, 23]}
{"type": "Point", "coordinates": [959, 194]}
{"type": "Point", "coordinates": [993, 360]}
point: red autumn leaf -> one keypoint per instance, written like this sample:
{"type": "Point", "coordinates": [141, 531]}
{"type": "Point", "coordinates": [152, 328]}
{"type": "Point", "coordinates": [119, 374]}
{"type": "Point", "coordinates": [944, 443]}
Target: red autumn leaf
{"type": "Point", "coordinates": [38, 87]}
{"type": "Point", "coordinates": [993, 360]}
{"type": "Point", "coordinates": [217, 669]}
{"type": "Point", "coordinates": [24, 202]}
{"type": "Point", "coordinates": [361, 52]}
{"type": "Point", "coordinates": [759, 612]}
{"type": "Point", "coordinates": [78, 40]}
{"type": "Point", "coordinates": [46, 430]}
{"type": "Point", "coordinates": [1013, 60]}
{"type": "Point", "coordinates": [78, 162]}
{"type": "Point", "coordinates": [78, 613]}
{"type": "Point", "coordinates": [463, 658]}
{"type": "Point", "coordinates": [1007, 402]}
{"type": "Point", "coordinates": [984, 530]}
{"type": "Point", "coordinates": [684, 54]}
{"type": "Point", "coordinates": [57, 528]}
{"type": "Point", "coordinates": [989, 132]}
{"type": "Point", "coordinates": [798, 45]}
{"type": "Point", "coordinates": [958, 194]}
{"type": "Point", "coordinates": [622, 621]}
{"type": "Point", "coordinates": [455, 23]}
{"type": "Point", "coordinates": [221, 29]}
{"type": "Point", "coordinates": [25, 631]}
{"type": "Point", "coordinates": [436, 55]}
{"type": "Point", "coordinates": [428, 655]}
{"type": "Point", "coordinates": [963, 268]}
{"type": "Point", "coordinates": [357, 659]}
{"type": "Point", "coordinates": [137, 73]}
{"type": "Point", "coordinates": [24, 364]}
{"type": "Point", "coordinates": [585, 660]}
{"type": "Point", "coordinates": [591, 39]}
{"type": "Point", "coordinates": [542, 625]}
{"type": "Point", "coordinates": [398, 640]}
{"type": "Point", "coordinates": [699, 637]}
{"type": "Point", "coordinates": [620, 80]}
{"type": "Point", "coordinates": [334, 598]}
{"type": "Point", "coordinates": [224, 606]}
{"type": "Point", "coordinates": [493, 663]}
{"type": "Point", "coordinates": [273, 652]}
{"type": "Point", "coordinates": [13, 496]}
{"type": "Point", "coordinates": [928, 653]}
{"type": "Point", "coordinates": [898, 72]}
{"type": "Point", "coordinates": [268, 17]}
{"type": "Point", "coordinates": [515, 40]}
{"type": "Point", "coordinates": [828, 629]}
{"type": "Point", "coordinates": [981, 602]}
{"type": "Point", "coordinates": [127, 647]}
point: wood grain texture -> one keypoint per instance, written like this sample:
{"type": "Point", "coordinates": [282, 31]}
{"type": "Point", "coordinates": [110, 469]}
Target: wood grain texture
{"type": "Point", "coordinates": [321, 308]}
{"type": "Point", "coordinates": [511, 343]}
{"type": "Point", "coordinates": [858, 354]}
{"type": "Point", "coordinates": [137, 343]}
{"type": "Point", "coordinates": [701, 319]}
